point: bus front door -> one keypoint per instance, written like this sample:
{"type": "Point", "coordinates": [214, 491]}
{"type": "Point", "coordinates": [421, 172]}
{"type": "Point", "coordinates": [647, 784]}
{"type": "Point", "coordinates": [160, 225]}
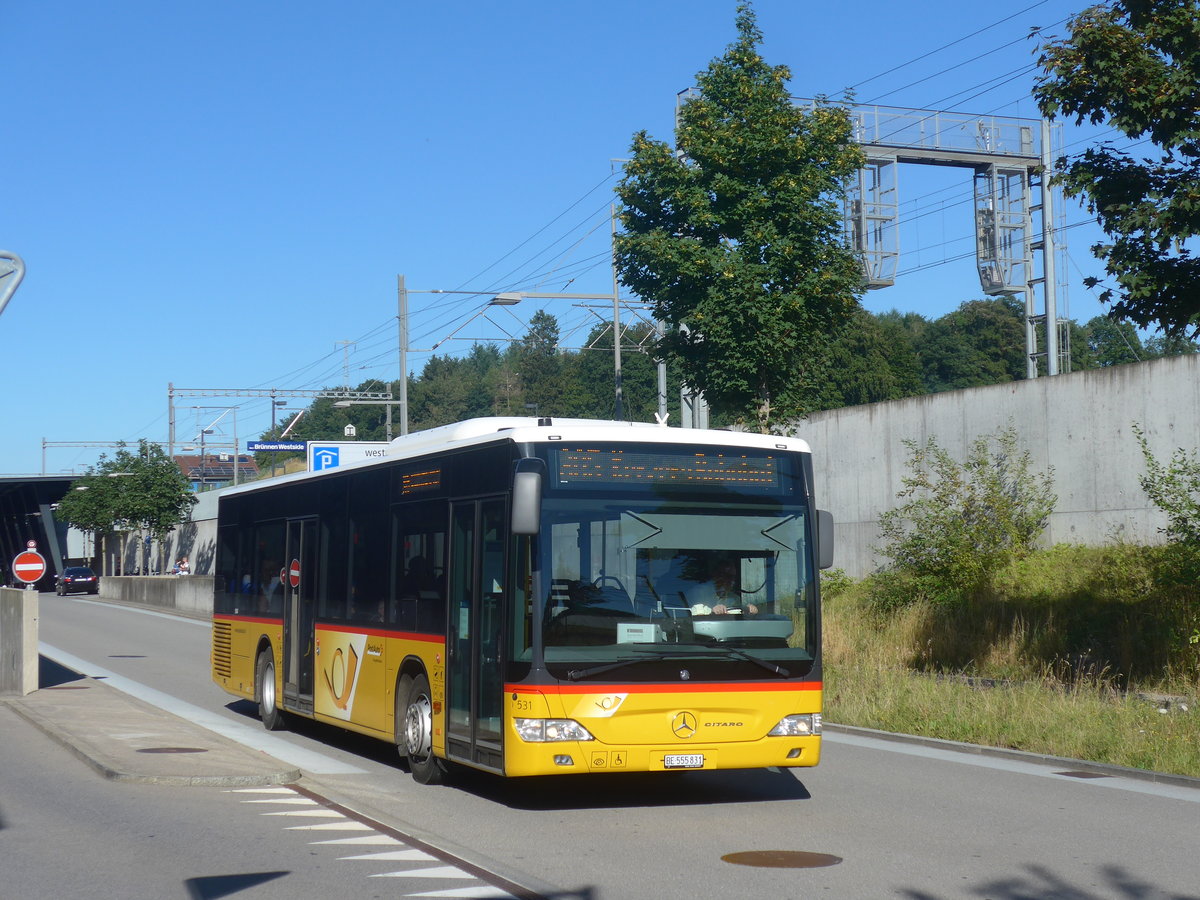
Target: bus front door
{"type": "Point", "coordinates": [475, 686]}
{"type": "Point", "coordinates": [299, 577]}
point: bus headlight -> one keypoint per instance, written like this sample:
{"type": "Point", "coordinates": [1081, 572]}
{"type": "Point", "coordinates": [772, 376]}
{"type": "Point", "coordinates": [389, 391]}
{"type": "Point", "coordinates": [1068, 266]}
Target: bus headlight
{"type": "Point", "coordinates": [802, 725]}
{"type": "Point", "coordinates": [544, 730]}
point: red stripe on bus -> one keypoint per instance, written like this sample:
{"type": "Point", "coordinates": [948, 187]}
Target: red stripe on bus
{"type": "Point", "coordinates": [670, 687]}
{"type": "Point", "coordinates": [329, 628]}
{"type": "Point", "coordinates": [260, 619]}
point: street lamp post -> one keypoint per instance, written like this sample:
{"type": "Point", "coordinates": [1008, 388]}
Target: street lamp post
{"type": "Point", "coordinates": [275, 404]}
{"type": "Point", "coordinates": [212, 430]}
{"type": "Point", "coordinates": [203, 458]}
{"type": "Point", "coordinates": [507, 298]}
{"type": "Point", "coordinates": [402, 317]}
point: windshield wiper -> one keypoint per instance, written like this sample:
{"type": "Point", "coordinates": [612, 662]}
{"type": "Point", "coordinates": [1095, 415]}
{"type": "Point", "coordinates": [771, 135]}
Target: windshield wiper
{"type": "Point", "coordinates": [749, 657]}
{"type": "Point", "coordinates": [577, 674]}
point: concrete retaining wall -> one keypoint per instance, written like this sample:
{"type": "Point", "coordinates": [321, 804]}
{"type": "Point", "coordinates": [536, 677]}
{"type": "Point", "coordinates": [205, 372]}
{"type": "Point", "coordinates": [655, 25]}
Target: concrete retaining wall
{"type": "Point", "coordinates": [18, 641]}
{"type": "Point", "coordinates": [1079, 424]}
{"type": "Point", "coordinates": [188, 594]}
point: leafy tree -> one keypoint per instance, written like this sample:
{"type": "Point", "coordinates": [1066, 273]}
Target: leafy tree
{"type": "Point", "coordinates": [961, 522]}
{"type": "Point", "coordinates": [1161, 345]}
{"type": "Point", "coordinates": [737, 240]}
{"type": "Point", "coordinates": [1134, 65]}
{"type": "Point", "coordinates": [444, 393]}
{"type": "Point", "coordinates": [131, 491]}
{"type": "Point", "coordinates": [1081, 354]}
{"type": "Point", "coordinates": [541, 365]}
{"type": "Point", "coordinates": [980, 343]}
{"type": "Point", "coordinates": [1113, 343]}
{"type": "Point", "coordinates": [639, 376]}
{"type": "Point", "coordinates": [872, 359]}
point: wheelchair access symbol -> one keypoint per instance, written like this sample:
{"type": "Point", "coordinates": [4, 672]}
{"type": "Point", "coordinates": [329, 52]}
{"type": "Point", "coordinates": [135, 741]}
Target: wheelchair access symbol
{"type": "Point", "coordinates": [602, 759]}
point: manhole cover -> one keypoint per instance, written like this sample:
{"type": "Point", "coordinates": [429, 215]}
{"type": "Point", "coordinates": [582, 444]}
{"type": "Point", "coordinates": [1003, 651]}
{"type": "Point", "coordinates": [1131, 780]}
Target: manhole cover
{"type": "Point", "coordinates": [1083, 774]}
{"type": "Point", "coordinates": [173, 750]}
{"type": "Point", "coordinates": [782, 859]}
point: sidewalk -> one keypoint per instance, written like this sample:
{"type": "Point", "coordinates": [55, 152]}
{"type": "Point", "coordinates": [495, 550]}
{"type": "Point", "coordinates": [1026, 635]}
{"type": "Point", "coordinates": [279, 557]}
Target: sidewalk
{"type": "Point", "coordinates": [125, 739]}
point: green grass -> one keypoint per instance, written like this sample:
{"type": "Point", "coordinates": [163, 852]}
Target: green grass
{"type": "Point", "coordinates": [1072, 634]}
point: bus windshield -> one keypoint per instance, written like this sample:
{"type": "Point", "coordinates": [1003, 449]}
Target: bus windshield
{"type": "Point", "coordinates": [724, 586]}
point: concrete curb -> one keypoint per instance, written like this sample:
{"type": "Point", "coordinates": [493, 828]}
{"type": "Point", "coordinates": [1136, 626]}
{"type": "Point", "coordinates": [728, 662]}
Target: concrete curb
{"type": "Point", "coordinates": [1074, 765]}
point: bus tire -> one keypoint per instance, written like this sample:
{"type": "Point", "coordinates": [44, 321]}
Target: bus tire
{"type": "Point", "coordinates": [264, 692]}
{"type": "Point", "coordinates": [418, 734]}
{"type": "Point", "coordinates": [400, 707]}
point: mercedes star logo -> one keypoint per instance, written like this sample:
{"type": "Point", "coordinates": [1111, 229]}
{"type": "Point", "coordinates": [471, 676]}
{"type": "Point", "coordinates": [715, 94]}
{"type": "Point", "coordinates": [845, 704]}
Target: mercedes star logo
{"type": "Point", "coordinates": [684, 725]}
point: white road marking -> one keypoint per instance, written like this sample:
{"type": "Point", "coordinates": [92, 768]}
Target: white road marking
{"type": "Point", "coordinates": [283, 796]}
{"type": "Point", "coordinates": [203, 623]}
{"type": "Point", "coordinates": [378, 840]}
{"type": "Point", "coordinates": [471, 893]}
{"type": "Point", "coordinates": [396, 856]}
{"type": "Point", "coordinates": [262, 790]}
{"type": "Point", "coordinates": [436, 872]}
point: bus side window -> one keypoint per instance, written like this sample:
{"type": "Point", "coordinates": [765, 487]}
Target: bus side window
{"type": "Point", "coordinates": [418, 564]}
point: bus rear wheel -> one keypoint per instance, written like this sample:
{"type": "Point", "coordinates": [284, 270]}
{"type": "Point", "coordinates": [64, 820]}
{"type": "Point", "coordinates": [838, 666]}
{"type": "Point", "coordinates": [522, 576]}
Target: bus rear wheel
{"type": "Point", "coordinates": [418, 734]}
{"type": "Point", "coordinates": [264, 691]}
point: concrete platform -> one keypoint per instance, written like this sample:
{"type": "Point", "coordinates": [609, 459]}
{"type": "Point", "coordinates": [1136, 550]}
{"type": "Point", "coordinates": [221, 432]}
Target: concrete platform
{"type": "Point", "coordinates": [127, 740]}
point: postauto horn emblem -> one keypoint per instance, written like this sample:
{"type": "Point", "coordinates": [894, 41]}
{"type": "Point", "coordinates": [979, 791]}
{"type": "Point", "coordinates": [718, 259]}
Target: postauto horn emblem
{"type": "Point", "coordinates": [684, 725]}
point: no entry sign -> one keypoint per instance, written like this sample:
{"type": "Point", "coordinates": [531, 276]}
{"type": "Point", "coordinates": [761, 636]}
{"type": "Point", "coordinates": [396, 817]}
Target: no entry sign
{"type": "Point", "coordinates": [29, 566]}
{"type": "Point", "coordinates": [294, 573]}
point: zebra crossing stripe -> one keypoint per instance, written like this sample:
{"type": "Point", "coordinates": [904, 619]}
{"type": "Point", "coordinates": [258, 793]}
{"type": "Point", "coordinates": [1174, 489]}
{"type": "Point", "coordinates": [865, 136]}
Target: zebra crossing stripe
{"type": "Point", "coordinates": [395, 856]}
{"type": "Point", "coordinates": [338, 821]}
{"type": "Point", "coordinates": [479, 892]}
{"type": "Point", "coordinates": [435, 872]}
{"type": "Point", "coordinates": [344, 825]}
{"type": "Point", "coordinates": [376, 839]}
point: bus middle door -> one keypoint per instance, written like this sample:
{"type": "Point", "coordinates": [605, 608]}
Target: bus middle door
{"type": "Point", "coordinates": [478, 538]}
{"type": "Point", "coordinates": [299, 577]}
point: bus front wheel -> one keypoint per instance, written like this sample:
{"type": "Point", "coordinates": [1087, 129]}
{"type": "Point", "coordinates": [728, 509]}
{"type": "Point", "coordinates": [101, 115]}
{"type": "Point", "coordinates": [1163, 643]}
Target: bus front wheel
{"type": "Point", "coordinates": [418, 734]}
{"type": "Point", "coordinates": [264, 689]}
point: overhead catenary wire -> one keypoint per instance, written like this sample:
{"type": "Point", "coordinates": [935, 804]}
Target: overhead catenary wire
{"type": "Point", "coordinates": [947, 46]}
{"type": "Point", "coordinates": [535, 268]}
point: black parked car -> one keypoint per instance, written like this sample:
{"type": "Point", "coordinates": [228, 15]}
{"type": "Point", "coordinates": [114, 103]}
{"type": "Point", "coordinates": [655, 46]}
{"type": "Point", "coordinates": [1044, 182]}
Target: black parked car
{"type": "Point", "coordinates": [78, 580]}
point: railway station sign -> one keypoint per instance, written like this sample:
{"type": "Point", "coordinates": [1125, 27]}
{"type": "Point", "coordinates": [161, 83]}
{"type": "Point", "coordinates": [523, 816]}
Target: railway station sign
{"type": "Point", "coordinates": [276, 446]}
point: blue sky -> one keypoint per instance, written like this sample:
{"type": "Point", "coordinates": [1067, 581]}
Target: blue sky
{"type": "Point", "coordinates": [215, 195]}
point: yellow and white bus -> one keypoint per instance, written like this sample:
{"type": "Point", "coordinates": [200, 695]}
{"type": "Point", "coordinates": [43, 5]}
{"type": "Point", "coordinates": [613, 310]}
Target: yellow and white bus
{"type": "Point", "coordinates": [535, 596]}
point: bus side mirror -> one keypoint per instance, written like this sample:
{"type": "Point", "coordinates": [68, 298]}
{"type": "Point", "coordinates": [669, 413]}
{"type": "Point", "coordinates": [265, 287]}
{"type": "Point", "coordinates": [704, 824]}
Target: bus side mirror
{"type": "Point", "coordinates": [527, 496]}
{"type": "Point", "coordinates": [824, 538]}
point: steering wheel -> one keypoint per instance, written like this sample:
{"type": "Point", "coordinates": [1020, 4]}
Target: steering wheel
{"type": "Point", "coordinates": [600, 582]}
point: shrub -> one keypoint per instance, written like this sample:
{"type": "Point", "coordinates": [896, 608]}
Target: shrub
{"type": "Point", "coordinates": [1175, 489]}
{"type": "Point", "coordinates": [961, 522]}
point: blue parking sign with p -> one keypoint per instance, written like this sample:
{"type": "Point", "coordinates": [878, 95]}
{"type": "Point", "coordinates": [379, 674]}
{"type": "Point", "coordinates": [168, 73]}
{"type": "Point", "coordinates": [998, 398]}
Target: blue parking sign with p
{"type": "Point", "coordinates": [325, 458]}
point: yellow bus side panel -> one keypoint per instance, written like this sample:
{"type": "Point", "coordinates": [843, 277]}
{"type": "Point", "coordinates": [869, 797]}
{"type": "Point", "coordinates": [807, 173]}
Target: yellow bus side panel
{"type": "Point", "coordinates": [356, 672]}
{"type": "Point", "coordinates": [235, 651]}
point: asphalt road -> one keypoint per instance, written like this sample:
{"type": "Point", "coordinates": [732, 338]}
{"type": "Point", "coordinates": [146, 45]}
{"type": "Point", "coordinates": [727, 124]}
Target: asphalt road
{"type": "Point", "coordinates": [875, 819]}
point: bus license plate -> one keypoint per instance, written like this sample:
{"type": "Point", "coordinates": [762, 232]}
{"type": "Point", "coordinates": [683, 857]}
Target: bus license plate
{"type": "Point", "coordinates": [684, 761]}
